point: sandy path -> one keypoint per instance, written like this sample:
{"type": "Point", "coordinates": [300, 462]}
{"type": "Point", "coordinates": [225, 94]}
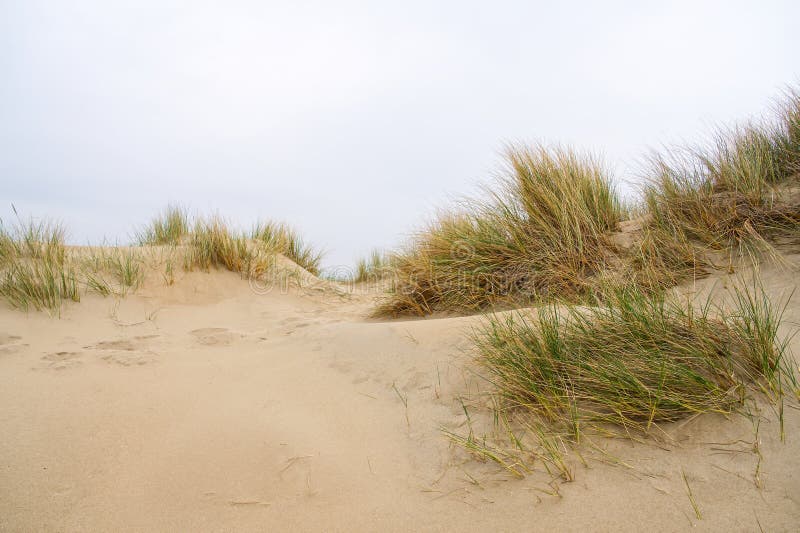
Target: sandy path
{"type": "Point", "coordinates": [207, 407]}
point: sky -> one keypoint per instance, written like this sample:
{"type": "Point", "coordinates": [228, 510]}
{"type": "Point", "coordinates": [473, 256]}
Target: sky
{"type": "Point", "coordinates": [353, 121]}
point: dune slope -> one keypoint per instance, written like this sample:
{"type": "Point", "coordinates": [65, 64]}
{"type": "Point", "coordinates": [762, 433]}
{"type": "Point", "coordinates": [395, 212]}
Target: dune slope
{"type": "Point", "coordinates": [207, 406]}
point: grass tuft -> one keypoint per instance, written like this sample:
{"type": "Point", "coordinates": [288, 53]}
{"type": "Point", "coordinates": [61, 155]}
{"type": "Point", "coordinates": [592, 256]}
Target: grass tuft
{"type": "Point", "coordinates": [543, 231]}
{"type": "Point", "coordinates": [740, 192]}
{"type": "Point", "coordinates": [34, 271]}
{"type": "Point", "coordinates": [171, 226]}
{"type": "Point", "coordinates": [376, 267]}
{"type": "Point", "coordinates": [639, 359]}
{"type": "Point", "coordinates": [212, 243]}
{"type": "Point", "coordinates": [125, 266]}
{"type": "Point", "coordinates": [281, 238]}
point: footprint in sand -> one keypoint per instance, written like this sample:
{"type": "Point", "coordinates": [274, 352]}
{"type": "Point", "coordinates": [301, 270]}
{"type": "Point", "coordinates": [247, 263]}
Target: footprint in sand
{"type": "Point", "coordinates": [341, 365]}
{"type": "Point", "coordinates": [62, 360]}
{"type": "Point", "coordinates": [126, 352]}
{"type": "Point", "coordinates": [292, 324]}
{"type": "Point", "coordinates": [214, 336]}
{"type": "Point", "coordinates": [124, 344]}
{"type": "Point", "coordinates": [291, 320]}
{"type": "Point", "coordinates": [126, 358]}
{"type": "Point", "coordinates": [361, 378]}
{"type": "Point", "coordinates": [10, 343]}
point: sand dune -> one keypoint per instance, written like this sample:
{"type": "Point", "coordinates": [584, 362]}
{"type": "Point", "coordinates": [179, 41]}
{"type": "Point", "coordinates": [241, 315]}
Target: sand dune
{"type": "Point", "coordinates": [206, 406]}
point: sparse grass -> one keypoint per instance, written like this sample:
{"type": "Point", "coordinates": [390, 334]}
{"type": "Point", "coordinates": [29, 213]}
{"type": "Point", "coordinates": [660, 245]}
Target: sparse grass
{"type": "Point", "coordinates": [283, 239]}
{"type": "Point", "coordinates": [373, 268]}
{"type": "Point", "coordinates": [636, 361]}
{"type": "Point", "coordinates": [7, 248]}
{"type": "Point", "coordinates": [542, 232]}
{"type": "Point", "coordinates": [97, 283]}
{"type": "Point", "coordinates": [691, 496]}
{"type": "Point", "coordinates": [169, 227]}
{"type": "Point", "coordinates": [40, 240]}
{"type": "Point", "coordinates": [111, 270]}
{"type": "Point", "coordinates": [169, 273]}
{"type": "Point", "coordinates": [516, 454]}
{"type": "Point", "coordinates": [126, 266]}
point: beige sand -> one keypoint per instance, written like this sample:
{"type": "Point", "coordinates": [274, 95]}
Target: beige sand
{"type": "Point", "coordinates": [207, 407]}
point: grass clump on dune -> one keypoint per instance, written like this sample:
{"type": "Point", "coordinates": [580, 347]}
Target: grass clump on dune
{"type": "Point", "coordinates": [547, 229]}
{"type": "Point", "coordinates": [212, 243]}
{"type": "Point", "coordinates": [638, 360]}
{"type": "Point", "coordinates": [542, 231]}
{"type": "Point", "coordinates": [283, 239]}
{"type": "Point", "coordinates": [742, 191]}
{"type": "Point", "coordinates": [34, 269]}
{"type": "Point", "coordinates": [169, 227]}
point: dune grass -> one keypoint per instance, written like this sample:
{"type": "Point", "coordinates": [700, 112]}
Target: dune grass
{"type": "Point", "coordinates": [638, 360]}
{"type": "Point", "coordinates": [34, 269]}
{"type": "Point", "coordinates": [373, 268]}
{"type": "Point", "coordinates": [42, 239]}
{"type": "Point", "coordinates": [283, 239]}
{"type": "Point", "coordinates": [739, 193]}
{"type": "Point", "coordinates": [127, 267]}
{"type": "Point", "coordinates": [171, 226]}
{"type": "Point", "coordinates": [111, 270]}
{"type": "Point", "coordinates": [37, 272]}
{"type": "Point", "coordinates": [542, 230]}
{"type": "Point", "coordinates": [213, 243]}
{"type": "Point", "coordinates": [39, 284]}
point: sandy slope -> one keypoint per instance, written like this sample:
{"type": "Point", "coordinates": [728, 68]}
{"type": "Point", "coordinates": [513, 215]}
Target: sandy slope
{"type": "Point", "coordinates": [205, 406]}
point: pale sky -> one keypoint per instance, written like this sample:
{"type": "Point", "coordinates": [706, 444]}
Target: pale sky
{"type": "Point", "coordinates": [353, 121]}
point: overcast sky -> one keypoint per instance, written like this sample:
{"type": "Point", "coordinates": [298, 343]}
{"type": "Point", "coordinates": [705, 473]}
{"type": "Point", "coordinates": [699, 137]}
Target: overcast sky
{"type": "Point", "coordinates": [352, 121]}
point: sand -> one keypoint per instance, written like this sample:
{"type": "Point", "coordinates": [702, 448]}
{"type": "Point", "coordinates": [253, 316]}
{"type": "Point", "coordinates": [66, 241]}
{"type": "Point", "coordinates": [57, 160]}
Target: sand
{"type": "Point", "coordinates": [205, 406]}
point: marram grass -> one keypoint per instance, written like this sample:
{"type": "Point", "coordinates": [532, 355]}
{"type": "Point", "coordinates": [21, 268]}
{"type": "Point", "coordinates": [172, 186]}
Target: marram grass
{"type": "Point", "coordinates": [638, 360]}
{"type": "Point", "coordinates": [373, 268]}
{"type": "Point", "coordinates": [283, 239]}
{"type": "Point", "coordinates": [212, 243]}
{"type": "Point", "coordinates": [111, 270]}
{"type": "Point", "coordinates": [740, 192]}
{"type": "Point", "coordinates": [34, 271]}
{"type": "Point", "coordinates": [37, 271]}
{"type": "Point", "coordinates": [543, 230]}
{"type": "Point", "coordinates": [171, 226]}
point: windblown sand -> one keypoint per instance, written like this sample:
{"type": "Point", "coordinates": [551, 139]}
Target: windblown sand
{"type": "Point", "coordinates": [204, 406]}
